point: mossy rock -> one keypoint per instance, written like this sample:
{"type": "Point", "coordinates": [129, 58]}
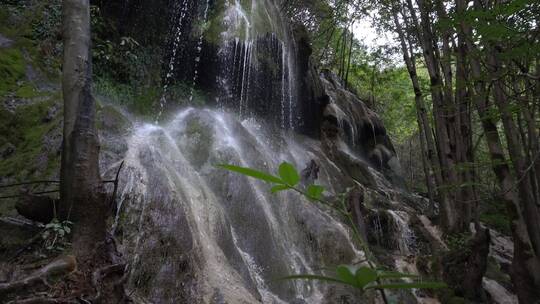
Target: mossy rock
{"type": "Point", "coordinates": [26, 130]}
{"type": "Point", "coordinates": [112, 120]}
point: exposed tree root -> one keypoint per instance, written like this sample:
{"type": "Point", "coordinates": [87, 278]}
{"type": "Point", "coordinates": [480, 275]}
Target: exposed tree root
{"type": "Point", "coordinates": [58, 267]}
{"type": "Point", "coordinates": [100, 274]}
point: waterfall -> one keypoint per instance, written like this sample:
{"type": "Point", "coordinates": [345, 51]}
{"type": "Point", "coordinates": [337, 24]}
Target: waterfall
{"type": "Point", "coordinates": [405, 237]}
{"type": "Point", "coordinates": [176, 39]}
{"type": "Point", "coordinates": [195, 233]}
{"type": "Point", "coordinates": [257, 63]}
{"type": "Point", "coordinates": [198, 51]}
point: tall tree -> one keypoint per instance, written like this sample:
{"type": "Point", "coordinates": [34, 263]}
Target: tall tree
{"type": "Point", "coordinates": [81, 190]}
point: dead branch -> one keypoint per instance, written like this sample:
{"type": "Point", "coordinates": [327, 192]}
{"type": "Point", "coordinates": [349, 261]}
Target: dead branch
{"type": "Point", "coordinates": [31, 183]}
{"type": "Point", "coordinates": [113, 198]}
{"type": "Point", "coordinates": [19, 222]}
{"type": "Point", "coordinates": [58, 267]}
{"type": "Point", "coordinates": [23, 194]}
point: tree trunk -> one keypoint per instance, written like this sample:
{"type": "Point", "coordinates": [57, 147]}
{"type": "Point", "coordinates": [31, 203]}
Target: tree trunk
{"type": "Point", "coordinates": [449, 217]}
{"type": "Point", "coordinates": [81, 191]}
{"type": "Point", "coordinates": [525, 265]}
{"type": "Point", "coordinates": [427, 144]}
{"type": "Point", "coordinates": [530, 210]}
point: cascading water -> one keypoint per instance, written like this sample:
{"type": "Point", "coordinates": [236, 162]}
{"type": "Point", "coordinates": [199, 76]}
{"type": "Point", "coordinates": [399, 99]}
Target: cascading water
{"type": "Point", "coordinates": [198, 234]}
{"type": "Point", "coordinates": [177, 35]}
{"type": "Point", "coordinates": [194, 233]}
{"type": "Point", "coordinates": [198, 51]}
{"type": "Point", "coordinates": [257, 62]}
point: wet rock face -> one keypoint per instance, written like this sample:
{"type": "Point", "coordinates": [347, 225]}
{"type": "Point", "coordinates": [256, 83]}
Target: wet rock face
{"type": "Point", "coordinates": [223, 237]}
{"type": "Point", "coordinates": [312, 96]}
{"type": "Point", "coordinates": [337, 116]}
{"type": "Point", "coordinates": [255, 67]}
{"type": "Point", "coordinates": [360, 128]}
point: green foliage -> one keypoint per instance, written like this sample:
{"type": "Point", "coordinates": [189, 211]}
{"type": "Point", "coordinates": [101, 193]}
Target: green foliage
{"type": "Point", "coordinates": [139, 100]}
{"type": "Point", "coordinates": [458, 241]}
{"type": "Point", "coordinates": [49, 26]}
{"type": "Point", "coordinates": [254, 173]}
{"type": "Point", "coordinates": [287, 179]}
{"type": "Point", "coordinates": [495, 216]}
{"type": "Point", "coordinates": [55, 235]}
{"type": "Point", "coordinates": [314, 192]}
{"type": "Point", "coordinates": [363, 278]}
{"type": "Point", "coordinates": [288, 174]}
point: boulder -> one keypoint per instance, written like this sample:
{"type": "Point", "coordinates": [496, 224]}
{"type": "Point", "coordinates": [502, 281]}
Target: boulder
{"type": "Point", "coordinates": [36, 208]}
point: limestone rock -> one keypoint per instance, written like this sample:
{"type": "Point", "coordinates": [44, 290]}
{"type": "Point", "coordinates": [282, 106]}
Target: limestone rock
{"type": "Point", "coordinates": [5, 42]}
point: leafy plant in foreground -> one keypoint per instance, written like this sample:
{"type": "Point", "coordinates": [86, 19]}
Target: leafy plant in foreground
{"type": "Point", "coordinates": [360, 277]}
{"type": "Point", "coordinates": [55, 234]}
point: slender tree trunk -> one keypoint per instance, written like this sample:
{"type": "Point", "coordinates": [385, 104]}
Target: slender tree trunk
{"type": "Point", "coordinates": [427, 143]}
{"type": "Point", "coordinates": [449, 218]}
{"type": "Point", "coordinates": [351, 42]}
{"type": "Point", "coordinates": [464, 150]}
{"type": "Point", "coordinates": [530, 210]}
{"type": "Point", "coordinates": [525, 265]}
{"type": "Point", "coordinates": [82, 199]}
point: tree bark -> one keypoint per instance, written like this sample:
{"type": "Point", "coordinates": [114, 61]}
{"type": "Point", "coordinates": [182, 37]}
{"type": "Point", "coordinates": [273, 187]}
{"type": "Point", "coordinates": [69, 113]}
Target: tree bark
{"type": "Point", "coordinates": [81, 191]}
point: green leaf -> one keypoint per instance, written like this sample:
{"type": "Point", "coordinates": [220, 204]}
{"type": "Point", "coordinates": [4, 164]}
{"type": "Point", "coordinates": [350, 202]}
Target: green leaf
{"type": "Point", "coordinates": [346, 274]}
{"type": "Point", "coordinates": [404, 285]}
{"type": "Point", "coordinates": [313, 277]}
{"type": "Point", "coordinates": [364, 276]}
{"type": "Point", "coordinates": [252, 173]}
{"type": "Point", "coordinates": [288, 174]}
{"type": "Point", "coordinates": [278, 188]}
{"type": "Point", "coordinates": [314, 192]}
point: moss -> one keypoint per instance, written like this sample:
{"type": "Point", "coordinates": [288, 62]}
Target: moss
{"type": "Point", "coordinates": [11, 69]}
{"type": "Point", "coordinates": [27, 91]}
{"type": "Point", "coordinates": [25, 130]}
{"type": "Point", "coordinates": [214, 26]}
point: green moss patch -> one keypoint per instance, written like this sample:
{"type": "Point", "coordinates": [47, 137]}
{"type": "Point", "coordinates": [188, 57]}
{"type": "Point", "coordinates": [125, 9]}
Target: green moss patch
{"type": "Point", "coordinates": [25, 130]}
{"type": "Point", "coordinates": [11, 69]}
